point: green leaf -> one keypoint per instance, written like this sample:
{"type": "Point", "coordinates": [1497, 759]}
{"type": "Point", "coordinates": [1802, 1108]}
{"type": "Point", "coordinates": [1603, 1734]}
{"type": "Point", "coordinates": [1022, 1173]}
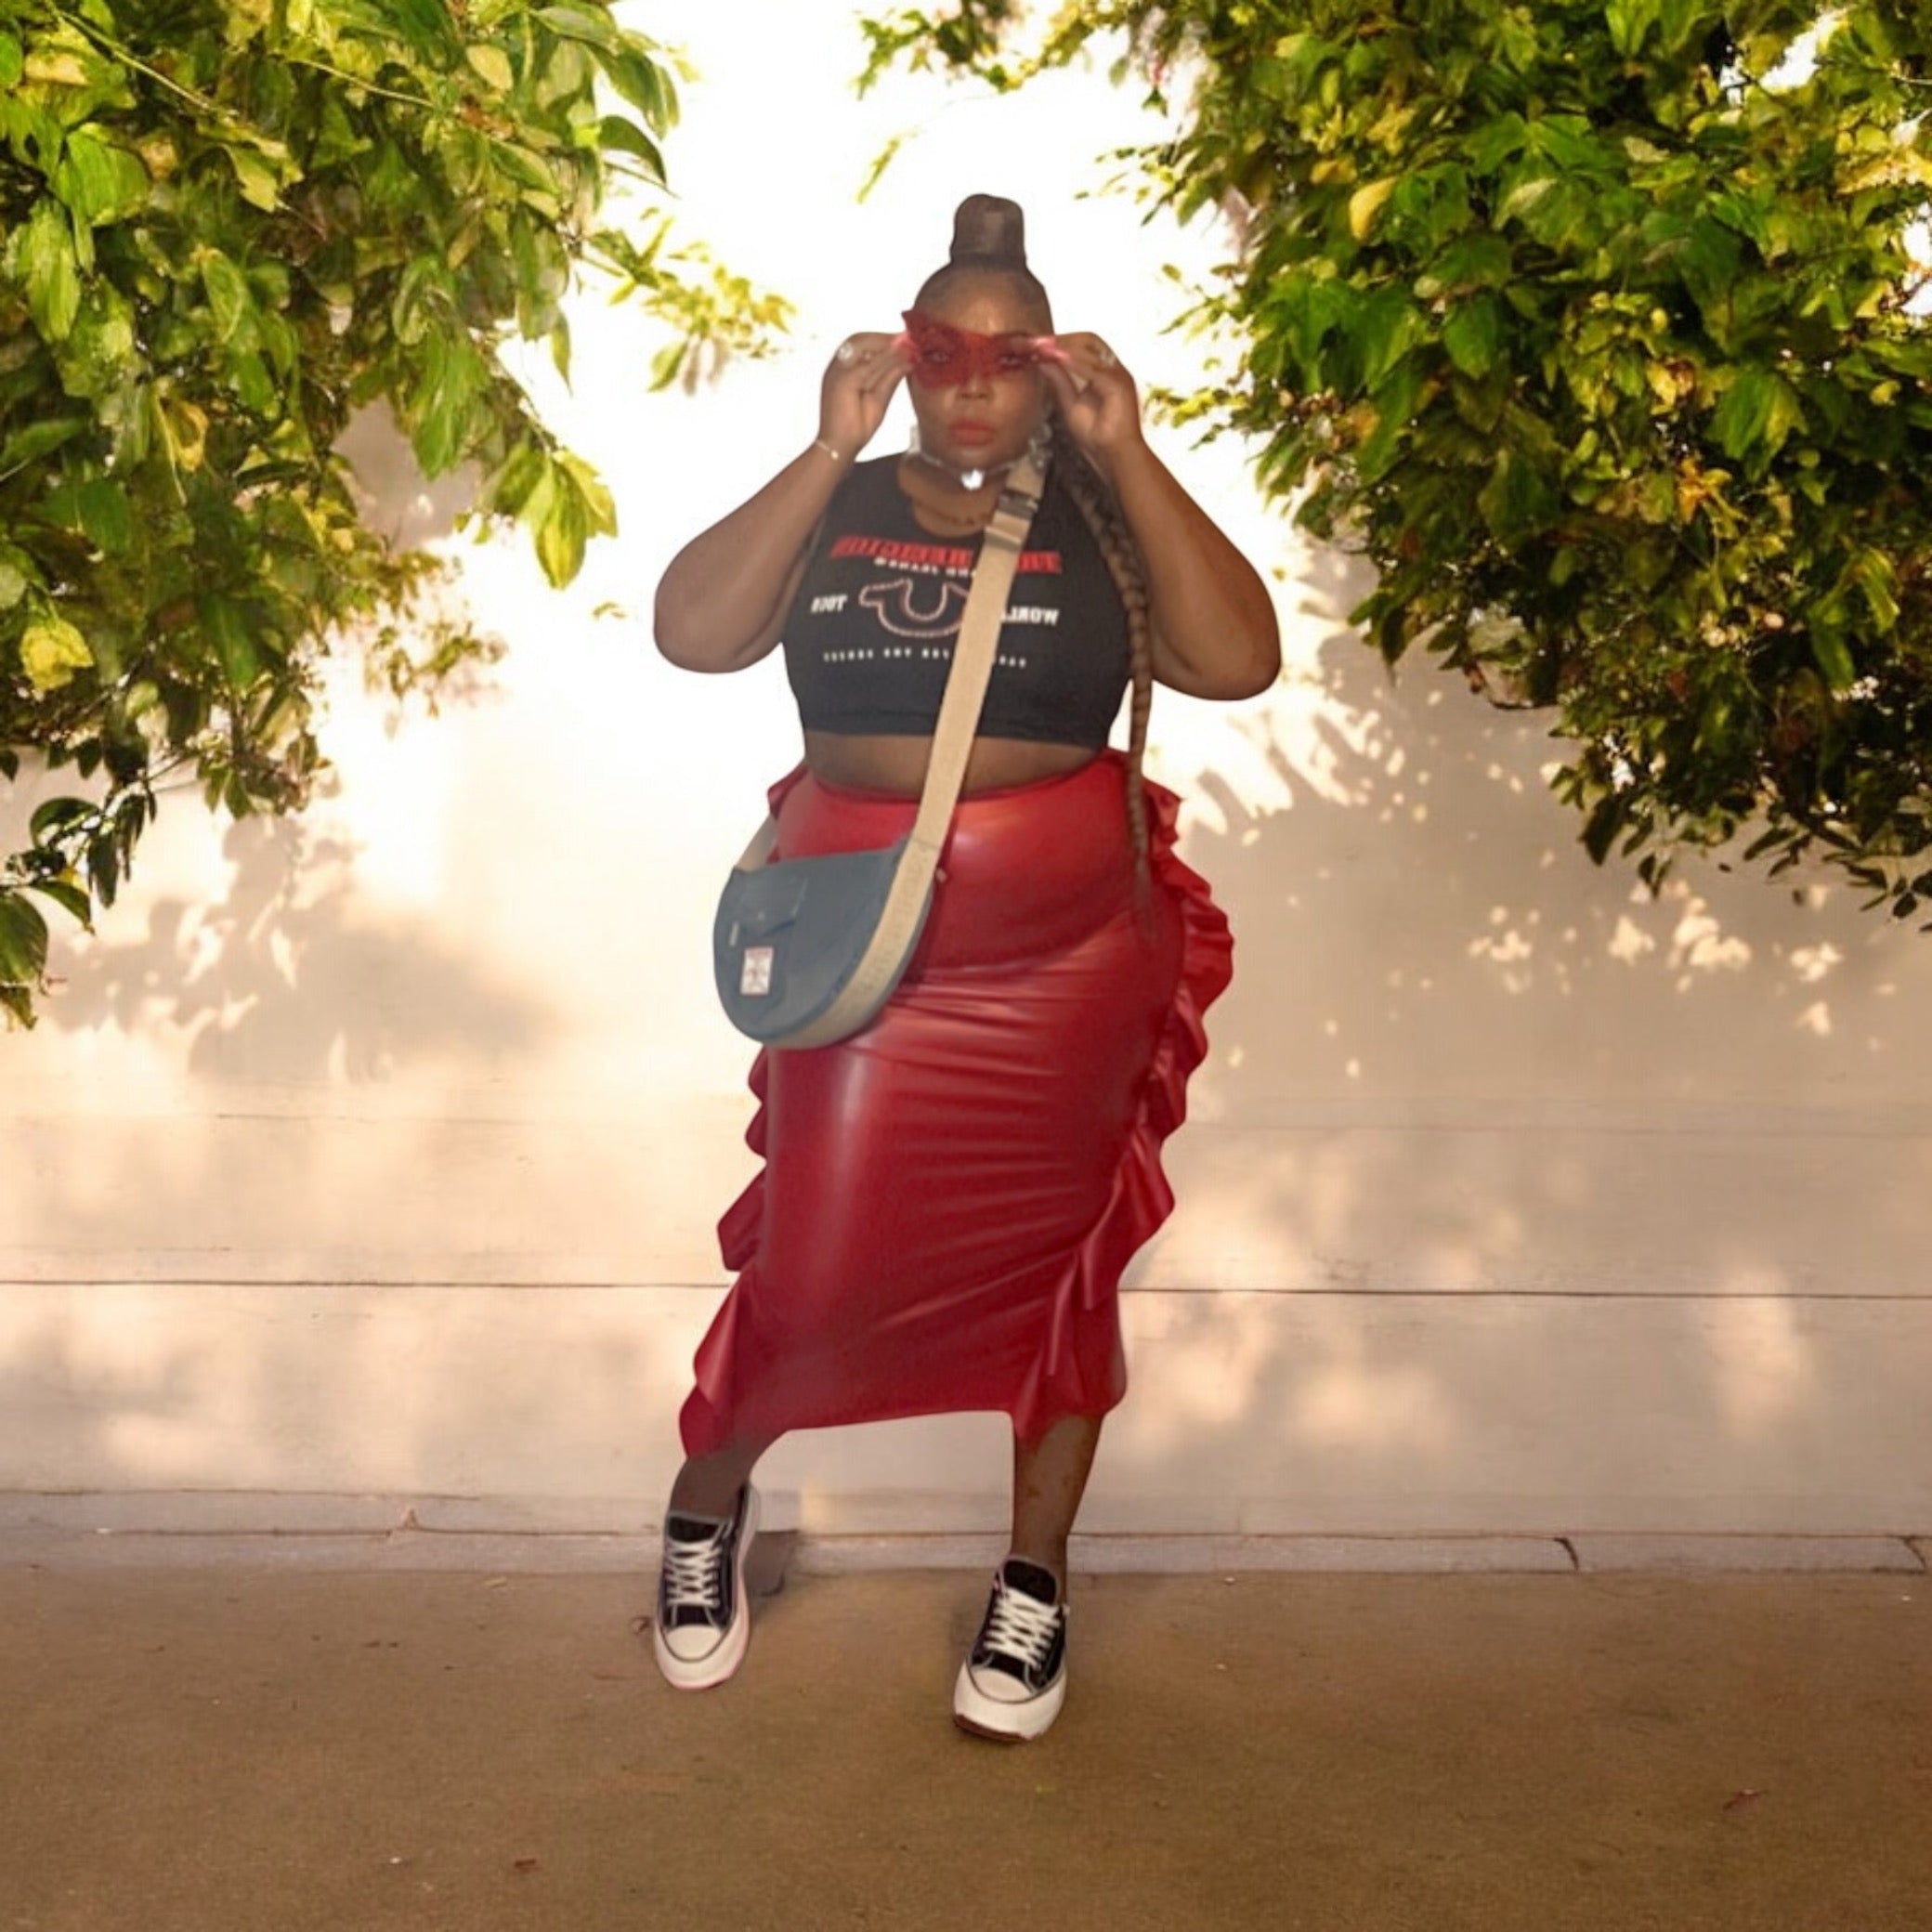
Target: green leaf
{"type": "Point", "coordinates": [452, 379]}
{"type": "Point", "coordinates": [561, 537]}
{"type": "Point", "coordinates": [230, 301]}
{"type": "Point", "coordinates": [1474, 334]}
{"type": "Point", "coordinates": [1524, 197]}
{"type": "Point", "coordinates": [1710, 258]}
{"type": "Point", "coordinates": [507, 492]}
{"type": "Point", "coordinates": [1630, 22]}
{"type": "Point", "coordinates": [1519, 498]}
{"type": "Point", "coordinates": [65, 893]}
{"type": "Point", "coordinates": [1388, 326]}
{"type": "Point", "coordinates": [1829, 652]}
{"type": "Point", "coordinates": [48, 267]}
{"type": "Point", "coordinates": [645, 87]}
{"type": "Point", "coordinates": [423, 300]}
{"type": "Point", "coordinates": [600, 508]}
{"type": "Point", "coordinates": [1393, 401]}
{"type": "Point", "coordinates": [11, 61]}
{"type": "Point", "coordinates": [30, 444]}
{"type": "Point", "coordinates": [97, 507]}
{"type": "Point", "coordinates": [101, 352]}
{"type": "Point", "coordinates": [1600, 828]}
{"type": "Point", "coordinates": [423, 23]}
{"type": "Point", "coordinates": [1567, 139]}
{"type": "Point", "coordinates": [526, 168]}
{"type": "Point", "coordinates": [100, 180]}
{"type": "Point", "coordinates": [1496, 141]}
{"type": "Point", "coordinates": [23, 941]}
{"type": "Point", "coordinates": [55, 816]}
{"type": "Point", "coordinates": [1470, 262]}
{"type": "Point", "coordinates": [491, 65]}
{"type": "Point", "coordinates": [104, 870]}
{"type": "Point", "coordinates": [52, 651]}
{"type": "Point", "coordinates": [542, 275]}
{"type": "Point", "coordinates": [1757, 414]}
{"type": "Point", "coordinates": [230, 626]}
{"type": "Point", "coordinates": [1871, 573]}
{"type": "Point", "coordinates": [259, 183]}
{"type": "Point", "coordinates": [1367, 202]}
{"type": "Point", "coordinates": [616, 136]}
{"type": "Point", "coordinates": [595, 30]}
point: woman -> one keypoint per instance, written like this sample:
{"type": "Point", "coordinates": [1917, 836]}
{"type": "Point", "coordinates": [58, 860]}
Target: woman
{"type": "Point", "coordinates": [950, 1194]}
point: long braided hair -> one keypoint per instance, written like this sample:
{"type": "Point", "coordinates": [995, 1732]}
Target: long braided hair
{"type": "Point", "coordinates": [989, 238]}
{"type": "Point", "coordinates": [1099, 505]}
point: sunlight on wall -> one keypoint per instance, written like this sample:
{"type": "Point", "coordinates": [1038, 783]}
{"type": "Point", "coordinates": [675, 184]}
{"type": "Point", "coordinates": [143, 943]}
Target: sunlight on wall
{"type": "Point", "coordinates": [1353, 1404]}
{"type": "Point", "coordinates": [1762, 1363]}
{"type": "Point", "coordinates": [1210, 1374]}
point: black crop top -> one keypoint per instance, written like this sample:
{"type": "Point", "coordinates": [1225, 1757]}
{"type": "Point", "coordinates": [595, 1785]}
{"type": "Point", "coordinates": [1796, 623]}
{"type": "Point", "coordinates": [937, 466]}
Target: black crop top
{"type": "Point", "coordinates": [869, 638]}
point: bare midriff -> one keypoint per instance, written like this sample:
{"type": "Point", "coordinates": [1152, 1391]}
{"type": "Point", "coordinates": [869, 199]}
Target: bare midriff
{"type": "Point", "coordinates": [864, 762]}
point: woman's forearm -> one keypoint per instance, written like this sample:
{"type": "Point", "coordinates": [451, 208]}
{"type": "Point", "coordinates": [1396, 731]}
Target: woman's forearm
{"type": "Point", "coordinates": [1217, 635]}
{"type": "Point", "coordinates": [719, 599]}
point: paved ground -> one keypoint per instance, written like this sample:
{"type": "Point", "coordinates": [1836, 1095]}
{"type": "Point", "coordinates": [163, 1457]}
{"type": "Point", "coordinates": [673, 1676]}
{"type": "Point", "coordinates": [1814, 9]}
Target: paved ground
{"type": "Point", "coordinates": [190, 1750]}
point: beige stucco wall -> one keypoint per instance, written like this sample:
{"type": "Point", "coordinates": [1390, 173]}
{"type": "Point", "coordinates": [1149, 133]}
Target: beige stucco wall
{"type": "Point", "coordinates": [380, 1154]}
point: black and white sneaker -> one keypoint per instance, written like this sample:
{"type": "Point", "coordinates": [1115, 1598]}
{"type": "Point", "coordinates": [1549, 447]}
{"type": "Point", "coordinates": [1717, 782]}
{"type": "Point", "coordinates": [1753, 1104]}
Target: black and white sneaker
{"type": "Point", "coordinates": [1013, 1681]}
{"type": "Point", "coordinates": [704, 1614]}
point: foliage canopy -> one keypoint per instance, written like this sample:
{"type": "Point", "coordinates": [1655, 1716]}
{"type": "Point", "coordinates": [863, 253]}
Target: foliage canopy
{"type": "Point", "coordinates": [1596, 324]}
{"type": "Point", "coordinates": [224, 227]}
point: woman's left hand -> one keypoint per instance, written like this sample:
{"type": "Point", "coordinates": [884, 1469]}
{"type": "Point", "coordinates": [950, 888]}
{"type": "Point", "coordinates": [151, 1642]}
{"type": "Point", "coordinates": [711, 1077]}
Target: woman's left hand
{"type": "Point", "coordinates": [1098, 399]}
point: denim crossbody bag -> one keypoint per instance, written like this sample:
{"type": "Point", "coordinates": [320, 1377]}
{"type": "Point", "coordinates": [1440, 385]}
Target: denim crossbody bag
{"type": "Point", "coordinates": [806, 950]}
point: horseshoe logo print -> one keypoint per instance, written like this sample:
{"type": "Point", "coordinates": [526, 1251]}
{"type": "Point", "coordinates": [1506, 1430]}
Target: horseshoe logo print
{"type": "Point", "coordinates": [892, 604]}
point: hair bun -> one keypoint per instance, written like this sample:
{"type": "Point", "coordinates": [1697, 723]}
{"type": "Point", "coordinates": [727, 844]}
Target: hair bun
{"type": "Point", "coordinates": [987, 228]}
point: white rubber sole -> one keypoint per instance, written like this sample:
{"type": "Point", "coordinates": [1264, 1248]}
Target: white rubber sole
{"type": "Point", "coordinates": [704, 1673]}
{"type": "Point", "coordinates": [1010, 1723]}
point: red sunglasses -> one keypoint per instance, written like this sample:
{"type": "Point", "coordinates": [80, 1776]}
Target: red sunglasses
{"type": "Point", "coordinates": [943, 356]}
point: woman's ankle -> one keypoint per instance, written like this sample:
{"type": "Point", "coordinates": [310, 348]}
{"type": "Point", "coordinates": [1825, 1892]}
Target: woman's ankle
{"type": "Point", "coordinates": [706, 1487]}
{"type": "Point", "coordinates": [1049, 1559]}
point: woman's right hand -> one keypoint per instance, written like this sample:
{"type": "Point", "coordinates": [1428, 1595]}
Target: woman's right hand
{"type": "Point", "coordinates": [857, 388]}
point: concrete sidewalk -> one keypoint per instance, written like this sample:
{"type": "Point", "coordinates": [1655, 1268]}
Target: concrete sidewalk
{"type": "Point", "coordinates": [195, 1749]}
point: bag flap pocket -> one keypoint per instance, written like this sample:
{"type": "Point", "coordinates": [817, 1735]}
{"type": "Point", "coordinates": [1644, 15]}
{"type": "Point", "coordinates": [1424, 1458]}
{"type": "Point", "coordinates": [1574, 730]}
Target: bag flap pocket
{"type": "Point", "coordinates": [756, 905]}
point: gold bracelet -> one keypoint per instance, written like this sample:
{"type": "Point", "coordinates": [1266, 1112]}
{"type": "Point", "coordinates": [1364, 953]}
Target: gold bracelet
{"type": "Point", "coordinates": [818, 442]}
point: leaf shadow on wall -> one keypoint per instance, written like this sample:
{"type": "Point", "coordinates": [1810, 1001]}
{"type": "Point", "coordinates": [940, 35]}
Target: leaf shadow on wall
{"type": "Point", "coordinates": [1501, 1164]}
{"type": "Point", "coordinates": [340, 1273]}
{"type": "Point", "coordinates": [1425, 915]}
{"type": "Point", "coordinates": [285, 977]}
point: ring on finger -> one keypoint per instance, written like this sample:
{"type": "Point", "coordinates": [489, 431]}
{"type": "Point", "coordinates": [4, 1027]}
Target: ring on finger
{"type": "Point", "coordinates": [846, 351]}
{"type": "Point", "coordinates": [1106, 357]}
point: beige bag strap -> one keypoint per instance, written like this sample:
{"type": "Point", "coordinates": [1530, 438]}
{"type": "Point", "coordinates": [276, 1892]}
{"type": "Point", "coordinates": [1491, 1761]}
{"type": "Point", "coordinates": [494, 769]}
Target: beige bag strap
{"type": "Point", "coordinates": [973, 656]}
{"type": "Point", "coordinates": [946, 770]}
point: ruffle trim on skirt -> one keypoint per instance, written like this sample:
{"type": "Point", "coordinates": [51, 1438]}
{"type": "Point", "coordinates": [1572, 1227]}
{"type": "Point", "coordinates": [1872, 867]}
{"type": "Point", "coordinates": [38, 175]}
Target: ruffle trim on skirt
{"type": "Point", "coordinates": [1142, 1197]}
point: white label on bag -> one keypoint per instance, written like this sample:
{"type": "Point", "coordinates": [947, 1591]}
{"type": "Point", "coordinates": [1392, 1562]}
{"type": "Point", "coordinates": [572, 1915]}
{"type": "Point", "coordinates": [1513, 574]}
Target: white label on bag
{"type": "Point", "coordinates": [756, 977]}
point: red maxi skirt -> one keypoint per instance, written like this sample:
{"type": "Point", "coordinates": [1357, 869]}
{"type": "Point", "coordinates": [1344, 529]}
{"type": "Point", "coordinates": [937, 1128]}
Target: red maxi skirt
{"type": "Point", "coordinates": [950, 1194]}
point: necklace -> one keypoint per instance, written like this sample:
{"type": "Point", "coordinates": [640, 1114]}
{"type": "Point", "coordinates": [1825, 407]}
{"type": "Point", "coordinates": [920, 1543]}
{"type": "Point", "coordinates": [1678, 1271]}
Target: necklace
{"type": "Point", "coordinates": [950, 511]}
{"type": "Point", "coordinates": [967, 504]}
{"type": "Point", "coordinates": [966, 479]}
